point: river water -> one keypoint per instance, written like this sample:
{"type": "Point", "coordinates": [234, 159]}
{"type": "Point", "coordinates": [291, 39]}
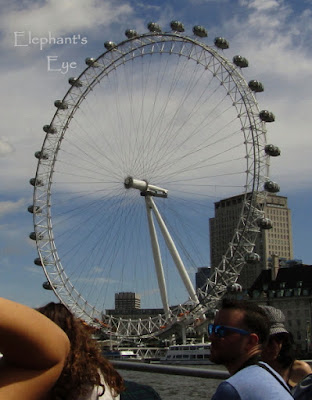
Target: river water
{"type": "Point", "coordinates": [176, 387]}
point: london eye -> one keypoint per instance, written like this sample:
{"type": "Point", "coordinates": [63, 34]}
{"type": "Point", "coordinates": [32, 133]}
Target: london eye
{"type": "Point", "coordinates": [147, 138]}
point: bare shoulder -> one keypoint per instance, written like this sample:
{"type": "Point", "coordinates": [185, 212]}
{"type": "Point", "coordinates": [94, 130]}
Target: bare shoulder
{"type": "Point", "coordinates": [34, 352]}
{"type": "Point", "coordinates": [303, 366]}
{"type": "Point", "coordinates": [299, 370]}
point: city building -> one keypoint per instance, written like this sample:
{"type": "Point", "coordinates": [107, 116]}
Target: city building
{"type": "Point", "coordinates": [126, 302]}
{"type": "Point", "coordinates": [270, 242]}
{"type": "Point", "coordinates": [289, 289]}
{"type": "Point", "coordinates": [128, 305]}
{"type": "Point", "coordinates": [201, 276]}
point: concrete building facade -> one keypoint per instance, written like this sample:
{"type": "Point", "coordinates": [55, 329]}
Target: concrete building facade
{"type": "Point", "coordinates": [276, 241]}
{"type": "Point", "coordinates": [126, 302]}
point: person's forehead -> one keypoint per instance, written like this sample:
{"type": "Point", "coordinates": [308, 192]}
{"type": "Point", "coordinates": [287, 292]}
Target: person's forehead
{"type": "Point", "coordinates": [230, 317]}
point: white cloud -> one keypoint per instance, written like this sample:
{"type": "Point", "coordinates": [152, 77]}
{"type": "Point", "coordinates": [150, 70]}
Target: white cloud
{"type": "Point", "coordinates": [5, 147]}
{"type": "Point", "coordinates": [60, 17]}
{"type": "Point", "coordinates": [148, 6]}
{"type": "Point", "coordinates": [261, 5]}
{"type": "Point", "coordinates": [98, 280]}
{"type": "Point", "coordinates": [275, 40]}
{"type": "Point", "coordinates": [34, 270]}
{"type": "Point", "coordinates": [150, 292]}
{"type": "Point", "coordinates": [8, 207]}
{"type": "Point", "coordinates": [199, 2]}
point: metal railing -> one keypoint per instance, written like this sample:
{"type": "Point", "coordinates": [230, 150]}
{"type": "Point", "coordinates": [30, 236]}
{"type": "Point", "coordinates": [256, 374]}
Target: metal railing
{"type": "Point", "coordinates": [170, 370]}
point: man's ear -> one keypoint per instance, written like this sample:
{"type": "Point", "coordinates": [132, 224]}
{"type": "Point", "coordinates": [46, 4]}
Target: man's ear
{"type": "Point", "coordinates": [253, 339]}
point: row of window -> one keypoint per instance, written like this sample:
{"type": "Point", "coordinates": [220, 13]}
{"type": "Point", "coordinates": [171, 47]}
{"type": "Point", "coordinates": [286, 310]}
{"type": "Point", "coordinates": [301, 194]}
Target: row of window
{"type": "Point", "coordinates": [280, 224]}
{"type": "Point", "coordinates": [282, 250]}
{"type": "Point", "coordinates": [278, 236]}
{"type": "Point", "coordinates": [187, 357]}
{"type": "Point", "coordinates": [278, 211]}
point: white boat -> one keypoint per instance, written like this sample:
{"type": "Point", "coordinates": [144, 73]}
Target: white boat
{"type": "Point", "coordinates": [188, 354]}
{"type": "Point", "coordinates": [121, 355]}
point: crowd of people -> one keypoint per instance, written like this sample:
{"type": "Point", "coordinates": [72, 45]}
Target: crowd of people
{"type": "Point", "coordinates": [253, 344]}
{"type": "Point", "coordinates": [49, 354]}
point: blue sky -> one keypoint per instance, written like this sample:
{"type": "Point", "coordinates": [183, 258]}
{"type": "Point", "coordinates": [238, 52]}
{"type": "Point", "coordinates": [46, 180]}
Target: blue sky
{"type": "Point", "coordinates": [274, 35]}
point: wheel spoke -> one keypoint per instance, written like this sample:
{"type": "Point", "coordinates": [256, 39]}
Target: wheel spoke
{"type": "Point", "coordinates": [173, 113]}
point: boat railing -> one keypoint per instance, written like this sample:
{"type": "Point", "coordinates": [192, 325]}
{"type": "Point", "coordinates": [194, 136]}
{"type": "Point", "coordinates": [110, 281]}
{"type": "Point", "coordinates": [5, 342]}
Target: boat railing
{"type": "Point", "coordinates": [171, 370]}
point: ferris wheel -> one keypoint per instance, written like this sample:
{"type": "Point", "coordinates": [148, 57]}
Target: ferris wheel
{"type": "Point", "coordinates": [151, 134]}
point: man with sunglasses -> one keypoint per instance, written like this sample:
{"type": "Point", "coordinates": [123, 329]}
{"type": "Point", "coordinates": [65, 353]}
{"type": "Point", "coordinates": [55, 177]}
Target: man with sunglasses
{"type": "Point", "coordinates": [239, 331]}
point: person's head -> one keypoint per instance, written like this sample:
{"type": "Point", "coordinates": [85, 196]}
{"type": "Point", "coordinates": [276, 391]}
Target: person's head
{"type": "Point", "coordinates": [279, 351]}
{"type": "Point", "coordinates": [239, 331]}
{"type": "Point", "coordinates": [84, 361]}
{"type": "Point", "coordinates": [60, 315]}
{"type": "Point", "coordinates": [276, 319]}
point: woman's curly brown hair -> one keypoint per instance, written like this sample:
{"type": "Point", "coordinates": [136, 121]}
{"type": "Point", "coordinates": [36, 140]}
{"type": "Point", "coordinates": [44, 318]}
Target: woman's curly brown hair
{"type": "Point", "coordinates": [81, 371]}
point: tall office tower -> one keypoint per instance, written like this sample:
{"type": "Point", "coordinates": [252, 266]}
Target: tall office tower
{"type": "Point", "coordinates": [127, 301]}
{"type": "Point", "coordinates": [275, 241]}
{"type": "Point", "coordinates": [201, 276]}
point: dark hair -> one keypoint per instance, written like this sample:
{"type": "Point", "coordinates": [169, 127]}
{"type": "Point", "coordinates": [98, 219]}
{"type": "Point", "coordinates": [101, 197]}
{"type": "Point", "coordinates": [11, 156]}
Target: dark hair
{"type": "Point", "coordinates": [81, 370]}
{"type": "Point", "coordinates": [286, 355]}
{"type": "Point", "coordinates": [255, 319]}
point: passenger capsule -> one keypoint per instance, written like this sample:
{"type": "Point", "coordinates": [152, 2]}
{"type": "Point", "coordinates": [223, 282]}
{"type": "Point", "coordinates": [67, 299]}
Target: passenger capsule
{"type": "Point", "coordinates": [37, 261]}
{"type": "Point", "coordinates": [36, 182]}
{"type": "Point", "coordinates": [47, 285]}
{"type": "Point", "coordinates": [252, 258]}
{"type": "Point", "coordinates": [61, 105]}
{"type": "Point", "coordinates": [110, 45]}
{"type": "Point", "coordinates": [41, 156]}
{"type": "Point", "coordinates": [200, 31]}
{"type": "Point", "coordinates": [240, 61]}
{"type": "Point", "coordinates": [74, 82]}
{"type": "Point", "coordinates": [35, 236]}
{"type": "Point", "coordinates": [91, 62]}
{"type": "Point", "coordinates": [271, 187]}
{"type": "Point", "coordinates": [32, 235]}
{"type": "Point", "coordinates": [265, 223]}
{"type": "Point", "coordinates": [177, 26]}
{"type": "Point", "coordinates": [256, 86]}
{"type": "Point", "coordinates": [49, 129]}
{"type": "Point", "coordinates": [267, 116]}
{"type": "Point", "coordinates": [153, 27]}
{"type": "Point", "coordinates": [131, 33]}
{"type": "Point", "coordinates": [272, 150]}
{"type": "Point", "coordinates": [34, 210]}
{"type": "Point", "coordinates": [222, 43]}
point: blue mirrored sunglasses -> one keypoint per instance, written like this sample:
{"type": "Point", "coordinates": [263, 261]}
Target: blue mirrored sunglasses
{"type": "Point", "coordinates": [222, 330]}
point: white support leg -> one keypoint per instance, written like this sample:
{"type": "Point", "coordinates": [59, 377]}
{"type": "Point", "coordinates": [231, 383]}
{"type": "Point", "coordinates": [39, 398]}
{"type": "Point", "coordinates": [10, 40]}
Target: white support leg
{"type": "Point", "coordinates": [157, 258]}
{"type": "Point", "coordinates": [174, 252]}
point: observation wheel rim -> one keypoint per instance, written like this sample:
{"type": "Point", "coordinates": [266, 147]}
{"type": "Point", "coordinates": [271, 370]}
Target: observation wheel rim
{"type": "Point", "coordinates": [57, 275]}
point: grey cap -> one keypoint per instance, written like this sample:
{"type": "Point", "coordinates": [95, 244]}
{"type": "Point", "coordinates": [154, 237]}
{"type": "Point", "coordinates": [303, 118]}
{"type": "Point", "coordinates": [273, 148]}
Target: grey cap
{"type": "Point", "coordinates": [276, 318]}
